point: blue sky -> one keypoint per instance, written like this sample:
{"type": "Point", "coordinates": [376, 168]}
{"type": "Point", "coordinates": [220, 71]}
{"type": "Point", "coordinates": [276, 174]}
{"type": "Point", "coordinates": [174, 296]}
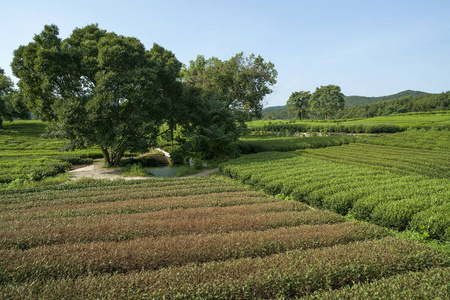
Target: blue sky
{"type": "Point", "coordinates": [368, 48]}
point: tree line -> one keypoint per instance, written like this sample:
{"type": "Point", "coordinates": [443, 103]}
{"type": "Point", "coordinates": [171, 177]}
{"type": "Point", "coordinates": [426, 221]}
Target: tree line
{"type": "Point", "coordinates": [325, 102]}
{"type": "Point", "coordinates": [427, 102]}
{"type": "Point", "coordinates": [99, 88]}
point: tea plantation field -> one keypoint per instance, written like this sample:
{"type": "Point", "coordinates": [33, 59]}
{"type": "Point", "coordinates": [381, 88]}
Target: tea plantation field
{"type": "Point", "coordinates": [26, 155]}
{"type": "Point", "coordinates": [393, 123]}
{"type": "Point", "coordinates": [213, 238]}
{"type": "Point", "coordinates": [194, 238]}
{"type": "Point", "coordinates": [382, 180]}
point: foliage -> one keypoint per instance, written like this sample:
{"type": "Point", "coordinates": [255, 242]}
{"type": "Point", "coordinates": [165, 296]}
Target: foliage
{"type": "Point", "coordinates": [298, 104]}
{"type": "Point", "coordinates": [26, 156]}
{"type": "Point", "coordinates": [285, 275]}
{"type": "Point", "coordinates": [360, 100]}
{"type": "Point", "coordinates": [190, 238]}
{"type": "Point", "coordinates": [240, 82]}
{"type": "Point", "coordinates": [384, 124]}
{"type": "Point", "coordinates": [411, 103]}
{"type": "Point", "coordinates": [269, 142]}
{"type": "Point", "coordinates": [11, 102]}
{"type": "Point", "coordinates": [420, 139]}
{"type": "Point", "coordinates": [326, 101]}
{"type": "Point", "coordinates": [388, 186]}
{"type": "Point", "coordinates": [430, 284]}
{"type": "Point", "coordinates": [280, 112]}
{"type": "Point", "coordinates": [135, 170]}
{"type": "Point", "coordinates": [100, 88]}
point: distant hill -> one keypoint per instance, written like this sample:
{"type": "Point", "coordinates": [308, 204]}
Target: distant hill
{"type": "Point", "coordinates": [360, 100]}
{"type": "Point", "coordinates": [280, 112]}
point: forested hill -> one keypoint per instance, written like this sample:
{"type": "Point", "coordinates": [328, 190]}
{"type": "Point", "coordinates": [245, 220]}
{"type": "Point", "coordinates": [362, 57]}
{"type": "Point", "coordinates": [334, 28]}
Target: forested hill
{"type": "Point", "coordinates": [280, 112]}
{"type": "Point", "coordinates": [361, 100]}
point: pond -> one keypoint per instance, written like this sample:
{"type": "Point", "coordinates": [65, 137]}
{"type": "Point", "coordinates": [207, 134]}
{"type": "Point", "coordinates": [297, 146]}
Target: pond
{"type": "Point", "coordinates": [164, 171]}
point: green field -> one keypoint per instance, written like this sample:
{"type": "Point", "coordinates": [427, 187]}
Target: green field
{"type": "Point", "coordinates": [26, 156]}
{"type": "Point", "coordinates": [395, 187]}
{"type": "Point", "coordinates": [393, 123]}
{"type": "Point", "coordinates": [213, 238]}
{"type": "Point", "coordinates": [254, 143]}
{"type": "Point", "coordinates": [193, 238]}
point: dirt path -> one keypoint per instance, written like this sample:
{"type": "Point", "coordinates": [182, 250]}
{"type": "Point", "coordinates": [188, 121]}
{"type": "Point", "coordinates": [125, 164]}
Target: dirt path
{"type": "Point", "coordinates": [96, 171]}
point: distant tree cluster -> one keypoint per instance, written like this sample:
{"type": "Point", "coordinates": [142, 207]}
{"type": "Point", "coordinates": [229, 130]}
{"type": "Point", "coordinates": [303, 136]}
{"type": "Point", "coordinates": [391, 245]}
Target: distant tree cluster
{"type": "Point", "coordinates": [100, 88]}
{"type": "Point", "coordinates": [427, 102]}
{"type": "Point", "coordinates": [361, 100]}
{"type": "Point", "coordinates": [324, 103]}
{"type": "Point", "coordinates": [11, 101]}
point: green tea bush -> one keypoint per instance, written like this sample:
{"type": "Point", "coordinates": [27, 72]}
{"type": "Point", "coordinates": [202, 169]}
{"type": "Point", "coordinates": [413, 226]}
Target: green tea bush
{"type": "Point", "coordinates": [260, 143]}
{"type": "Point", "coordinates": [428, 284]}
{"type": "Point", "coordinates": [397, 214]}
{"type": "Point", "coordinates": [384, 185]}
{"type": "Point", "coordinates": [433, 222]}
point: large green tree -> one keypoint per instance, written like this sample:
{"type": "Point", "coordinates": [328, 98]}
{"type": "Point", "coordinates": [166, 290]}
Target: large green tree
{"type": "Point", "coordinates": [240, 82]}
{"type": "Point", "coordinates": [298, 104]}
{"type": "Point", "coordinates": [99, 88]}
{"type": "Point", "coordinates": [326, 101]}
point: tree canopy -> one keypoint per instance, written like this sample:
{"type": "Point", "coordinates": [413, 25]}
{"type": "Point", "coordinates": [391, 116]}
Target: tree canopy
{"type": "Point", "coordinates": [240, 82]}
{"type": "Point", "coordinates": [98, 87]}
{"type": "Point", "coordinates": [298, 104]}
{"type": "Point", "coordinates": [11, 101]}
{"type": "Point", "coordinates": [326, 101]}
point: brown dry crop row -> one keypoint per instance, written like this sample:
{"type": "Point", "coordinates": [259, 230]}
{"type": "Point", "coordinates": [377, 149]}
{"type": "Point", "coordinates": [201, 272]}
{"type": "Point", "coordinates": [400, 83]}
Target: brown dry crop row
{"type": "Point", "coordinates": [176, 222]}
{"type": "Point", "coordinates": [286, 275]}
{"type": "Point", "coordinates": [122, 195]}
{"type": "Point", "coordinates": [429, 284]}
{"type": "Point", "coordinates": [136, 206]}
{"type": "Point", "coordinates": [181, 213]}
{"type": "Point", "coordinates": [79, 191]}
{"type": "Point", "coordinates": [72, 260]}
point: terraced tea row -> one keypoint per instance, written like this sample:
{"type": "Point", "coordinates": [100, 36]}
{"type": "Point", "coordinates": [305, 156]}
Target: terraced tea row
{"type": "Point", "coordinates": [255, 143]}
{"type": "Point", "coordinates": [416, 139]}
{"type": "Point", "coordinates": [363, 189]}
{"type": "Point", "coordinates": [285, 275]}
{"type": "Point", "coordinates": [26, 156]}
{"type": "Point", "coordinates": [154, 253]}
{"type": "Point", "coordinates": [430, 284]}
{"type": "Point", "coordinates": [431, 163]}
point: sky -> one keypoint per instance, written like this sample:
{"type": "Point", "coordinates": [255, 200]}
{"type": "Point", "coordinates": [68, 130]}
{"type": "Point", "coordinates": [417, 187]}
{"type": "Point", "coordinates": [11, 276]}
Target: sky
{"type": "Point", "coordinates": [368, 48]}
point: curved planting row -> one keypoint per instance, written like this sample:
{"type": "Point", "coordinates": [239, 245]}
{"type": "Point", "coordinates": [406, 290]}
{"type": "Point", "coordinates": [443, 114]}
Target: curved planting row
{"type": "Point", "coordinates": [193, 238]}
{"type": "Point", "coordinates": [79, 259]}
{"type": "Point", "coordinates": [286, 275]}
{"type": "Point", "coordinates": [432, 163]}
{"type": "Point", "coordinates": [419, 139]}
{"type": "Point", "coordinates": [430, 284]}
{"type": "Point", "coordinates": [261, 143]}
{"type": "Point", "coordinates": [366, 192]}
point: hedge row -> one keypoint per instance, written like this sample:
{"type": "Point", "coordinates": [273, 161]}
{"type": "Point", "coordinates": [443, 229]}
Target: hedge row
{"type": "Point", "coordinates": [292, 274]}
{"type": "Point", "coordinates": [26, 235]}
{"type": "Point", "coordinates": [261, 143]}
{"type": "Point", "coordinates": [73, 260]}
{"type": "Point", "coordinates": [366, 192]}
{"type": "Point", "coordinates": [429, 284]}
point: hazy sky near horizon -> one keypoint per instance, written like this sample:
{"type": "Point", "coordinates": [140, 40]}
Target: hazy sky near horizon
{"type": "Point", "coordinates": [368, 48]}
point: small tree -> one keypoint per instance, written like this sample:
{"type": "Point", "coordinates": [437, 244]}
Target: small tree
{"type": "Point", "coordinates": [298, 104]}
{"type": "Point", "coordinates": [11, 102]}
{"type": "Point", "coordinates": [326, 101]}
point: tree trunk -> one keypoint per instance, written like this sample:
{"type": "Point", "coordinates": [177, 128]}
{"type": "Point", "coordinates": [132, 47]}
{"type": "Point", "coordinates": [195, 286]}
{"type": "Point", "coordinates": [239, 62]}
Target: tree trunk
{"type": "Point", "coordinates": [1, 123]}
{"type": "Point", "coordinates": [172, 127]}
{"type": "Point", "coordinates": [117, 158]}
{"type": "Point", "coordinates": [106, 156]}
